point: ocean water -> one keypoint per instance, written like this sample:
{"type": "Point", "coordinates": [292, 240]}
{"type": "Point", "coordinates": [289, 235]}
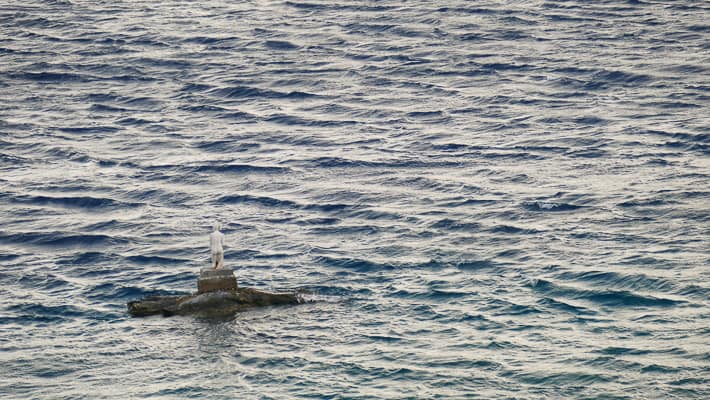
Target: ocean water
{"type": "Point", "coordinates": [486, 199]}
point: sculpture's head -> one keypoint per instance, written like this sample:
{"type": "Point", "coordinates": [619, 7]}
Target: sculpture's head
{"type": "Point", "coordinates": [216, 226]}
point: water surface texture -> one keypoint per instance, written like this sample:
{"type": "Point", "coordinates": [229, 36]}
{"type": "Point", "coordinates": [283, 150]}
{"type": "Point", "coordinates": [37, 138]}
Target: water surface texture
{"type": "Point", "coordinates": [488, 199]}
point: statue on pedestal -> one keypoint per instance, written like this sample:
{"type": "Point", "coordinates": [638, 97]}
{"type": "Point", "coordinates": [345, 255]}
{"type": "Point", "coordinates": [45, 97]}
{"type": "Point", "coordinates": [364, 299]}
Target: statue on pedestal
{"type": "Point", "coordinates": [217, 277]}
{"type": "Point", "coordinates": [217, 292]}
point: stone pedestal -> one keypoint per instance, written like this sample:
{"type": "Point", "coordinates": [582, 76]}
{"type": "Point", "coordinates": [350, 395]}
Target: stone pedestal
{"type": "Point", "coordinates": [214, 280]}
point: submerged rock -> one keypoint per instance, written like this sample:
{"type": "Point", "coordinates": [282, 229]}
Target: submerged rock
{"type": "Point", "coordinates": [217, 294]}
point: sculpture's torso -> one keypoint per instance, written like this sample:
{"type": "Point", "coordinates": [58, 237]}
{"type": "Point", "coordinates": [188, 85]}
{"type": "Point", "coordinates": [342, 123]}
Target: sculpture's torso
{"type": "Point", "coordinates": [216, 241]}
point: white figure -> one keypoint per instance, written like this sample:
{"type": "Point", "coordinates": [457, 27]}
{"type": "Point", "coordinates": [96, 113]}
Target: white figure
{"type": "Point", "coordinates": [216, 247]}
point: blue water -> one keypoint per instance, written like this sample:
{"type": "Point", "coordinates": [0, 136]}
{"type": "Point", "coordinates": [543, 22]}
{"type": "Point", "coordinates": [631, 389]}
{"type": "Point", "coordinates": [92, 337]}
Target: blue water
{"type": "Point", "coordinates": [487, 199]}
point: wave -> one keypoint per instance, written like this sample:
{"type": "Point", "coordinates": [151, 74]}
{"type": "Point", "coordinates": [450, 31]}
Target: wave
{"type": "Point", "coordinates": [611, 298]}
{"type": "Point", "coordinates": [566, 307]}
{"type": "Point", "coordinates": [548, 206]}
{"type": "Point", "coordinates": [61, 239]}
{"type": "Point", "coordinates": [82, 202]}
{"type": "Point", "coordinates": [618, 280]}
{"type": "Point", "coordinates": [221, 168]}
{"type": "Point", "coordinates": [353, 264]}
{"type": "Point", "coordinates": [280, 45]}
{"type": "Point", "coordinates": [259, 200]}
{"type": "Point", "coordinates": [118, 294]}
{"type": "Point", "coordinates": [35, 313]}
{"type": "Point", "coordinates": [143, 260]}
{"type": "Point", "coordinates": [246, 92]}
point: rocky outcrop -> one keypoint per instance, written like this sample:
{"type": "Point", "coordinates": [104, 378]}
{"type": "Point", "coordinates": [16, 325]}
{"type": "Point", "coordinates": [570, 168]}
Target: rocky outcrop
{"type": "Point", "coordinates": [217, 295]}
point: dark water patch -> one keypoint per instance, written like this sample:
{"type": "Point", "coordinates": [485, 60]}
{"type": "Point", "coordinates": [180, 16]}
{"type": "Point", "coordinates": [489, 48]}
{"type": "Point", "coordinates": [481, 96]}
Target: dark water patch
{"type": "Point", "coordinates": [514, 20]}
{"type": "Point", "coordinates": [565, 307]}
{"type": "Point", "coordinates": [646, 203]}
{"type": "Point", "coordinates": [562, 378]}
{"type": "Point", "coordinates": [340, 292]}
{"type": "Point", "coordinates": [284, 119]}
{"type": "Point", "coordinates": [468, 202]}
{"type": "Point", "coordinates": [610, 298]}
{"type": "Point", "coordinates": [107, 108]}
{"type": "Point", "coordinates": [691, 194]}
{"type": "Point", "coordinates": [660, 162]}
{"type": "Point", "coordinates": [196, 87]}
{"type": "Point", "coordinates": [474, 265]}
{"type": "Point", "coordinates": [431, 116]}
{"type": "Point", "coordinates": [509, 253]}
{"type": "Point", "coordinates": [8, 159]}
{"type": "Point", "coordinates": [618, 280]}
{"type": "Point", "coordinates": [509, 229]}
{"type": "Point", "coordinates": [231, 146]}
{"type": "Point", "coordinates": [371, 214]}
{"type": "Point", "coordinates": [51, 77]}
{"type": "Point", "coordinates": [616, 351]}
{"type": "Point", "coordinates": [695, 291]}
{"type": "Point", "coordinates": [318, 221]}
{"type": "Point", "coordinates": [89, 130]}
{"type": "Point", "coordinates": [61, 239]}
{"type": "Point", "coordinates": [149, 125]}
{"type": "Point", "coordinates": [587, 153]}
{"type": "Point", "coordinates": [338, 162]}
{"type": "Point", "coordinates": [474, 10]}
{"type": "Point", "coordinates": [671, 105]}
{"type": "Point", "coordinates": [385, 338]}
{"type": "Point", "coordinates": [210, 40]}
{"type": "Point", "coordinates": [236, 168]}
{"type": "Point", "coordinates": [159, 196]}
{"type": "Point", "coordinates": [163, 63]}
{"type": "Point", "coordinates": [203, 108]}
{"type": "Point", "coordinates": [237, 116]}
{"type": "Point", "coordinates": [258, 200]}
{"type": "Point", "coordinates": [246, 92]}
{"type": "Point", "coordinates": [507, 66]}
{"type": "Point", "coordinates": [46, 282]}
{"type": "Point", "coordinates": [705, 149]}
{"type": "Point", "coordinates": [280, 45]}
{"type": "Point", "coordinates": [659, 369]}
{"type": "Point", "coordinates": [9, 257]}
{"type": "Point", "coordinates": [431, 294]}
{"type": "Point", "coordinates": [454, 225]}
{"type": "Point", "coordinates": [701, 138]}
{"type": "Point", "coordinates": [30, 313]}
{"type": "Point", "coordinates": [342, 7]}
{"type": "Point", "coordinates": [329, 207]}
{"type": "Point", "coordinates": [87, 258]}
{"type": "Point", "coordinates": [82, 202]}
{"type": "Point", "coordinates": [516, 309]}
{"type": "Point", "coordinates": [118, 293]}
{"type": "Point", "coordinates": [155, 260]}
{"type": "Point", "coordinates": [354, 264]}
{"type": "Point", "coordinates": [546, 206]}
{"type": "Point", "coordinates": [187, 279]}
{"type": "Point", "coordinates": [146, 104]}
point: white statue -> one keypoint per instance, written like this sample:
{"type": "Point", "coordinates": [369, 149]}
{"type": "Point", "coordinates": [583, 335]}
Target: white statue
{"type": "Point", "coordinates": [216, 247]}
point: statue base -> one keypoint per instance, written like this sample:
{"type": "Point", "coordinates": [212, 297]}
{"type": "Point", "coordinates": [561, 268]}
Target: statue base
{"type": "Point", "coordinates": [215, 280]}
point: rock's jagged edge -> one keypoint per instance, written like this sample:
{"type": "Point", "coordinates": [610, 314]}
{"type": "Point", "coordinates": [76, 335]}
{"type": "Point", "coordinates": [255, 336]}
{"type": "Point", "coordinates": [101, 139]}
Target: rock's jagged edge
{"type": "Point", "coordinates": [213, 303]}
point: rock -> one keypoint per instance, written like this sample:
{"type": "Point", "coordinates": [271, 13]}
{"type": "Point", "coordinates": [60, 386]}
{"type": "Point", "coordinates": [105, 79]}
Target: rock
{"type": "Point", "coordinates": [222, 302]}
{"type": "Point", "coordinates": [217, 295]}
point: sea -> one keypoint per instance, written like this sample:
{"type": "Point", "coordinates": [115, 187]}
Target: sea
{"type": "Point", "coordinates": [479, 199]}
